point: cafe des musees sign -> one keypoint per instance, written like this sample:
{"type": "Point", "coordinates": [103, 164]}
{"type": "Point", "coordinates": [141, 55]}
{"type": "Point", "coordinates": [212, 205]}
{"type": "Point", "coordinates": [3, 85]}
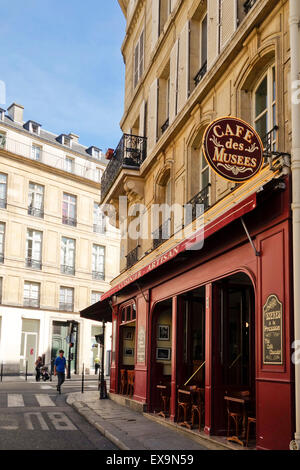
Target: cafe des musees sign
{"type": "Point", "coordinates": [233, 149]}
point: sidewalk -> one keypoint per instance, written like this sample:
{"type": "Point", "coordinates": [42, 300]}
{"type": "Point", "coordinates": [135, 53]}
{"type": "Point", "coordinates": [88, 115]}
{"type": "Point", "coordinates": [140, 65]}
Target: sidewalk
{"type": "Point", "coordinates": [130, 430]}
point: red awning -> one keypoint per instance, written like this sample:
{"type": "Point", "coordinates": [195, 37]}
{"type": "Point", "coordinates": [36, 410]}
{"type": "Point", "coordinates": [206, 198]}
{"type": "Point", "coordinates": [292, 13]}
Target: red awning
{"type": "Point", "coordinates": [103, 308]}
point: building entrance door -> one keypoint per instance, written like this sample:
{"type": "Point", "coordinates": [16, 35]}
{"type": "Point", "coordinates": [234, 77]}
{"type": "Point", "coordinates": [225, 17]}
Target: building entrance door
{"type": "Point", "coordinates": [28, 351]}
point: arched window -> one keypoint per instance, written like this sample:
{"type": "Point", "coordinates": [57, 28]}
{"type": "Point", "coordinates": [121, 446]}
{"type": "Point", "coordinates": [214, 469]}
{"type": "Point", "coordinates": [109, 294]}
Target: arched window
{"type": "Point", "coordinates": [265, 108]}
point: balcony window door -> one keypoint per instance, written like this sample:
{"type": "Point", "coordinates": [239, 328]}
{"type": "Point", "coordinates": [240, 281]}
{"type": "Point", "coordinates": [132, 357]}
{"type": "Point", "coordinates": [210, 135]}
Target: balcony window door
{"type": "Point", "coordinates": [36, 152]}
{"type": "Point", "coordinates": [3, 190]}
{"type": "Point", "coordinates": [36, 200]}
{"type": "Point", "coordinates": [265, 108]}
{"type": "Point", "coordinates": [98, 262]}
{"type": "Point", "coordinates": [34, 249]}
{"type": "Point", "coordinates": [67, 256]}
{"type": "Point", "coordinates": [69, 210]}
{"type": "Point", "coordinates": [69, 164]}
{"type": "Point", "coordinates": [31, 294]}
{"type": "Point", "coordinates": [139, 59]}
{"type": "Point", "coordinates": [66, 299]}
{"type": "Point", "coordinates": [2, 234]}
{"type": "Point", "coordinates": [99, 220]}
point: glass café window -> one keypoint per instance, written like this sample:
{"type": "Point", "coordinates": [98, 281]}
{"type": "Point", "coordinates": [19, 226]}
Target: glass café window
{"type": "Point", "coordinates": [128, 313]}
{"type": "Point", "coordinates": [265, 106]}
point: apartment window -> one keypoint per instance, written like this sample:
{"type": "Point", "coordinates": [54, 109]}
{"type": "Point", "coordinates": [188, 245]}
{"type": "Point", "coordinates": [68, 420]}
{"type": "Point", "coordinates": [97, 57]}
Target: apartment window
{"type": "Point", "coordinates": [139, 59]}
{"type": "Point", "coordinates": [69, 164]}
{"type": "Point", "coordinates": [2, 140]}
{"type": "Point", "coordinates": [34, 249]}
{"type": "Point", "coordinates": [164, 11]}
{"type": "Point", "coordinates": [36, 152]}
{"type": "Point", "coordinates": [66, 299]}
{"type": "Point", "coordinates": [31, 294]}
{"type": "Point", "coordinates": [3, 190]}
{"type": "Point", "coordinates": [69, 210]}
{"type": "Point", "coordinates": [197, 49]}
{"type": "Point", "coordinates": [163, 101]}
{"type": "Point", "coordinates": [98, 261]}
{"type": "Point", "coordinates": [265, 108]}
{"type": "Point", "coordinates": [67, 256]}
{"type": "Point", "coordinates": [99, 220]}
{"type": "Point", "coordinates": [95, 297]}
{"type": "Point", "coordinates": [96, 154]}
{"type": "Point", "coordinates": [1, 293]}
{"type": "Point", "coordinates": [98, 174]}
{"type": "Point", "coordinates": [2, 235]}
{"type": "Point", "coordinates": [36, 200]}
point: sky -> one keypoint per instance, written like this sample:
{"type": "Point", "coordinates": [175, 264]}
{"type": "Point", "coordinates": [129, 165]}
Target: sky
{"type": "Point", "coordinates": [61, 60]}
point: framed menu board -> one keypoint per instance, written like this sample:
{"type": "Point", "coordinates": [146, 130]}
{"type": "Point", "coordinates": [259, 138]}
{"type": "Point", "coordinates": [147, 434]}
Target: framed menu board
{"type": "Point", "coordinates": [272, 331]}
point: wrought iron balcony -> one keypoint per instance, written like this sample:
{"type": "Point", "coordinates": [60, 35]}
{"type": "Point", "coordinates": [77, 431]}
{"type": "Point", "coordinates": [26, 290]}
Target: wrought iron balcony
{"type": "Point", "coordinates": [34, 264]}
{"type": "Point", "coordinates": [165, 126]}
{"type": "Point", "coordinates": [67, 269]}
{"type": "Point", "coordinates": [69, 221]}
{"type": "Point", "coordinates": [29, 302]}
{"type": "Point", "coordinates": [248, 5]}
{"type": "Point", "coordinates": [130, 153]}
{"type": "Point", "coordinates": [269, 140]}
{"type": "Point", "coordinates": [35, 212]}
{"type": "Point", "coordinates": [132, 257]}
{"type": "Point", "coordinates": [3, 203]}
{"type": "Point", "coordinates": [200, 74]}
{"type": "Point", "coordinates": [66, 307]}
{"type": "Point", "coordinates": [161, 234]}
{"type": "Point", "coordinates": [99, 276]}
{"type": "Point", "coordinates": [99, 228]}
{"type": "Point", "coordinates": [201, 198]}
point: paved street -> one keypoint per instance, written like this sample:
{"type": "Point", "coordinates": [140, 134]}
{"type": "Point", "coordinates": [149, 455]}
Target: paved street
{"type": "Point", "coordinates": [33, 416]}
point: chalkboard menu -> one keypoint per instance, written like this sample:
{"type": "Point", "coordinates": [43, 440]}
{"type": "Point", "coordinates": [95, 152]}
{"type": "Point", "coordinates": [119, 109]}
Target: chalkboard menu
{"type": "Point", "coordinates": [272, 331]}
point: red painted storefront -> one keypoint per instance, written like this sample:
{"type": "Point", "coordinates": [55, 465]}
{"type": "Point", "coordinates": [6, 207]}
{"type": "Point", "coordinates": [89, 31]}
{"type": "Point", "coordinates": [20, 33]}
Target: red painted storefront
{"type": "Point", "coordinates": [227, 258]}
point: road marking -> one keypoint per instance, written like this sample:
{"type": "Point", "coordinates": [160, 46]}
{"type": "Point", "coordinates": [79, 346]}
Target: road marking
{"type": "Point", "coordinates": [46, 387]}
{"type": "Point", "coordinates": [44, 400]}
{"type": "Point", "coordinates": [8, 423]}
{"type": "Point", "coordinates": [28, 421]}
{"type": "Point", "coordinates": [14, 400]}
{"type": "Point", "coordinates": [61, 422]}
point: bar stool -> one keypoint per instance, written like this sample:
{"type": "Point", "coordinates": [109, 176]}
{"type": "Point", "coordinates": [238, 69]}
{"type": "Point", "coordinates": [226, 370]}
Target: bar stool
{"type": "Point", "coordinates": [130, 382]}
{"type": "Point", "coordinates": [123, 381]}
{"type": "Point", "coordinates": [249, 421]}
{"type": "Point", "coordinates": [197, 407]}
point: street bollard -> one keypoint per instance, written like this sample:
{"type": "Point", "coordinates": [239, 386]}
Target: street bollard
{"type": "Point", "coordinates": [82, 380]}
{"type": "Point", "coordinates": [51, 369]}
{"type": "Point", "coordinates": [1, 371]}
{"type": "Point", "coordinates": [26, 370]}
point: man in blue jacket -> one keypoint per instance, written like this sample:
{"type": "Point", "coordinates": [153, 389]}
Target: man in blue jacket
{"type": "Point", "coordinates": [60, 365]}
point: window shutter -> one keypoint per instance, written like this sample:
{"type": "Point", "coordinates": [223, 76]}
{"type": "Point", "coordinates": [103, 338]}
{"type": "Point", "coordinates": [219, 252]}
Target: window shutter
{"type": "Point", "coordinates": [136, 65]}
{"type": "Point", "coordinates": [228, 20]}
{"type": "Point", "coordinates": [141, 58]}
{"type": "Point", "coordinates": [152, 112]}
{"type": "Point", "coordinates": [183, 72]}
{"type": "Point", "coordinates": [173, 81]}
{"type": "Point", "coordinates": [155, 23]}
{"type": "Point", "coordinates": [142, 120]}
{"type": "Point", "coordinates": [212, 31]}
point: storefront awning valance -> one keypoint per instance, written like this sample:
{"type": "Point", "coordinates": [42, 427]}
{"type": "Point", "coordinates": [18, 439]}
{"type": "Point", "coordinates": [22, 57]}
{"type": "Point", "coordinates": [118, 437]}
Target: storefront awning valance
{"type": "Point", "coordinates": [100, 311]}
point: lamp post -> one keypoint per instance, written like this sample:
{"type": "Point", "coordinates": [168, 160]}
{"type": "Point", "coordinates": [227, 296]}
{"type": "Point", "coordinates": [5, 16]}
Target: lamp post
{"type": "Point", "coordinates": [71, 324]}
{"type": "Point", "coordinates": [100, 340]}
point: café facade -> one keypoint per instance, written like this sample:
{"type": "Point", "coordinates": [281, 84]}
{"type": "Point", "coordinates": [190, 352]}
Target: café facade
{"type": "Point", "coordinates": [214, 309]}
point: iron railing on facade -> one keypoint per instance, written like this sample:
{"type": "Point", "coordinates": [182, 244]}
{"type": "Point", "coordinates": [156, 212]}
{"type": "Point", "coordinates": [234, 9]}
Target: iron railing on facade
{"type": "Point", "coordinates": [99, 228]}
{"type": "Point", "coordinates": [3, 203]}
{"type": "Point", "coordinates": [248, 5]}
{"type": "Point", "coordinates": [29, 302]}
{"type": "Point", "coordinates": [33, 263]}
{"type": "Point", "coordinates": [162, 233]}
{"type": "Point", "coordinates": [165, 126]}
{"type": "Point", "coordinates": [66, 307]}
{"type": "Point", "coordinates": [200, 74]}
{"type": "Point", "coordinates": [269, 140]}
{"type": "Point", "coordinates": [130, 153]}
{"type": "Point", "coordinates": [199, 200]}
{"type": "Point", "coordinates": [69, 221]}
{"type": "Point", "coordinates": [98, 275]}
{"type": "Point", "coordinates": [36, 212]}
{"type": "Point", "coordinates": [1, 258]}
{"type": "Point", "coordinates": [64, 269]}
{"type": "Point", "coordinates": [87, 170]}
{"type": "Point", "coordinates": [132, 257]}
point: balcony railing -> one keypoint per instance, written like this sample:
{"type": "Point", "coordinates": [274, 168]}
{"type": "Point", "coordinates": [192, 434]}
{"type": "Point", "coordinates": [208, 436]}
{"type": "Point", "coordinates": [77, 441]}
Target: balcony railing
{"type": "Point", "coordinates": [248, 5]}
{"type": "Point", "coordinates": [69, 221]}
{"type": "Point", "coordinates": [35, 212]}
{"type": "Point", "coordinates": [99, 228]}
{"type": "Point", "coordinates": [165, 126]}
{"type": "Point", "coordinates": [34, 264]}
{"type": "Point", "coordinates": [132, 257]}
{"type": "Point", "coordinates": [200, 74]}
{"type": "Point", "coordinates": [130, 153]}
{"type": "Point", "coordinates": [3, 203]}
{"type": "Point", "coordinates": [81, 167]}
{"type": "Point", "coordinates": [202, 198]}
{"type": "Point", "coordinates": [66, 307]}
{"type": "Point", "coordinates": [1, 258]}
{"type": "Point", "coordinates": [269, 140]}
{"type": "Point", "coordinates": [67, 269]}
{"type": "Point", "coordinates": [29, 302]}
{"type": "Point", "coordinates": [161, 234]}
{"type": "Point", "coordinates": [99, 276]}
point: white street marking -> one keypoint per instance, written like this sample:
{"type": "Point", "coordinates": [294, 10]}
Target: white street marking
{"type": "Point", "coordinates": [14, 400]}
{"type": "Point", "coordinates": [28, 422]}
{"type": "Point", "coordinates": [61, 422]}
{"type": "Point", "coordinates": [46, 387]}
{"type": "Point", "coordinates": [44, 400]}
{"type": "Point", "coordinates": [9, 423]}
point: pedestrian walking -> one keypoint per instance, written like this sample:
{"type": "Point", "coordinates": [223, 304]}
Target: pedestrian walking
{"type": "Point", "coordinates": [38, 364]}
{"type": "Point", "coordinates": [97, 364]}
{"type": "Point", "coordinates": [60, 365]}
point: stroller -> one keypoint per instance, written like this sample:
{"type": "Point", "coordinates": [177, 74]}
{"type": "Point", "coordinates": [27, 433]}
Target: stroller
{"type": "Point", "coordinates": [45, 373]}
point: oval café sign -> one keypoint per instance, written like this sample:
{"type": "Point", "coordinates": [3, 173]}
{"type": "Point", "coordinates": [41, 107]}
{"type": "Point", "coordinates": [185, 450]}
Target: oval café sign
{"type": "Point", "coordinates": [233, 149]}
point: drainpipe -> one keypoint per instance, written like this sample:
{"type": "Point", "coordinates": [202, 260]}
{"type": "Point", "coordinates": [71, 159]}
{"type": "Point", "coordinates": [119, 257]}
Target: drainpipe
{"type": "Point", "coordinates": [295, 106]}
